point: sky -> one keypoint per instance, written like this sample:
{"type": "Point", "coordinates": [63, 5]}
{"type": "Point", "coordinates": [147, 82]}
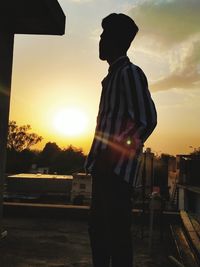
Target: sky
{"type": "Point", "coordinates": [55, 74]}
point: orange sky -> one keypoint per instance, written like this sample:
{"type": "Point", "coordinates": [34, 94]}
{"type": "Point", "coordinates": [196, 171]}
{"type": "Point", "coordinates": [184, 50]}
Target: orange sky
{"type": "Point", "coordinates": [54, 73]}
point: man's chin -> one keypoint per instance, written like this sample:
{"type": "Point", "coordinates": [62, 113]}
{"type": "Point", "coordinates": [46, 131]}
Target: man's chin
{"type": "Point", "coordinates": [102, 57]}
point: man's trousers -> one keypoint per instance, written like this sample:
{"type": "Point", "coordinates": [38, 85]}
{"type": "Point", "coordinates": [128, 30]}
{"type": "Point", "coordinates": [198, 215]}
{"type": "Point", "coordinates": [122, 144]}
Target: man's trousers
{"type": "Point", "coordinates": [110, 220]}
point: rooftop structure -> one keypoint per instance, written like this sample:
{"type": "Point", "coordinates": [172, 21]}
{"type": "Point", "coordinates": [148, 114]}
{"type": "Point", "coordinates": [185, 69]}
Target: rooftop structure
{"type": "Point", "coordinates": [32, 17]}
{"type": "Point", "coordinates": [20, 17]}
{"type": "Point", "coordinates": [40, 176]}
{"type": "Point", "coordinates": [81, 188]}
{"type": "Point", "coordinates": [28, 184]}
{"type": "Point", "coordinates": [42, 241]}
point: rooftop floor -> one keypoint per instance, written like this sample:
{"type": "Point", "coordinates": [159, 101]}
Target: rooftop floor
{"type": "Point", "coordinates": [40, 242]}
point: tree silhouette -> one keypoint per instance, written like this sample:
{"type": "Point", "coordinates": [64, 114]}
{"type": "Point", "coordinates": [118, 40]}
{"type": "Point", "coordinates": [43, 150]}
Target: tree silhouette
{"type": "Point", "coordinates": [19, 137]}
{"type": "Point", "coordinates": [61, 161]}
{"type": "Point", "coordinates": [18, 162]}
{"type": "Point", "coordinates": [48, 155]}
{"type": "Point", "coordinates": [69, 160]}
{"type": "Point", "coordinates": [20, 157]}
{"type": "Point", "coordinates": [195, 154]}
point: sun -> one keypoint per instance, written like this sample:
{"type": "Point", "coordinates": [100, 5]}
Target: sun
{"type": "Point", "coordinates": [70, 121]}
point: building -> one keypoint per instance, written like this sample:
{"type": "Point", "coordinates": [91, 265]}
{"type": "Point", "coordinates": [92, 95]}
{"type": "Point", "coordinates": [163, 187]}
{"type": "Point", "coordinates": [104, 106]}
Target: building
{"type": "Point", "coordinates": [156, 173]}
{"type": "Point", "coordinates": [28, 184]}
{"type": "Point", "coordinates": [76, 188]}
{"type": "Point", "coordinates": [81, 188]}
{"type": "Point", "coordinates": [149, 170]}
{"type": "Point", "coordinates": [35, 169]}
{"type": "Point", "coordinates": [188, 183]}
{"type": "Point", "coordinates": [172, 174]}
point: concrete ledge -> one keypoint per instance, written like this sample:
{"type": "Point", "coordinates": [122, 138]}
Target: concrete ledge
{"type": "Point", "coordinates": [185, 253]}
{"type": "Point", "coordinates": [195, 189]}
{"type": "Point", "coordinates": [45, 210]}
{"type": "Point", "coordinates": [191, 232]}
{"type": "Point", "coordinates": [72, 212]}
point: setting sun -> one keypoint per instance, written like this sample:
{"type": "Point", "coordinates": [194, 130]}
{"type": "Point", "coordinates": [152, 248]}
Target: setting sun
{"type": "Point", "coordinates": [70, 121]}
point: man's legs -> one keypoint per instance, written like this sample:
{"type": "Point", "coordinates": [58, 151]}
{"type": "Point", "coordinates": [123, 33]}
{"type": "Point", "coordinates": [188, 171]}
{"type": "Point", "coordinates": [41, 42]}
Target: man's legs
{"type": "Point", "coordinates": [98, 224]}
{"type": "Point", "coordinates": [100, 253]}
{"type": "Point", "coordinates": [120, 223]}
{"type": "Point", "coordinates": [110, 221]}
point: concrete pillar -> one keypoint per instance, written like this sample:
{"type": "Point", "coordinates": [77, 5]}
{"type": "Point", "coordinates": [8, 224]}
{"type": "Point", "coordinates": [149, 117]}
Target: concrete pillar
{"type": "Point", "coordinates": [6, 59]}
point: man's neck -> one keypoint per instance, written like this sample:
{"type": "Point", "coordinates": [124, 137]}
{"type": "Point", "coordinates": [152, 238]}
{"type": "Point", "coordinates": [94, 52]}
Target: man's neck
{"type": "Point", "coordinates": [112, 59]}
{"type": "Point", "coordinates": [118, 62]}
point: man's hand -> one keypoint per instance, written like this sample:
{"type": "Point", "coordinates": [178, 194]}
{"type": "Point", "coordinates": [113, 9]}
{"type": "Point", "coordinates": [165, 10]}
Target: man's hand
{"type": "Point", "coordinates": [129, 146]}
{"type": "Point", "coordinates": [134, 143]}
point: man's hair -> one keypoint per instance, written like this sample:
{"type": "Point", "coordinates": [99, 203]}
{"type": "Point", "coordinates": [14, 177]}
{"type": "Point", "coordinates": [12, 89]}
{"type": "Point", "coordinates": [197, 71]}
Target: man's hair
{"type": "Point", "coordinates": [121, 29]}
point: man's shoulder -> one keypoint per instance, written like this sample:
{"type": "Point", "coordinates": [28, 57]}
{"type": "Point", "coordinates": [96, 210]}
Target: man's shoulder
{"type": "Point", "coordinates": [135, 68]}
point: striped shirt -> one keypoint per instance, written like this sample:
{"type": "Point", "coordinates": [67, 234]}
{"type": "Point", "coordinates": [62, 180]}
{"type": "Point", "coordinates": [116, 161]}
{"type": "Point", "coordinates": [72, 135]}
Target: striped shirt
{"type": "Point", "coordinates": [126, 117]}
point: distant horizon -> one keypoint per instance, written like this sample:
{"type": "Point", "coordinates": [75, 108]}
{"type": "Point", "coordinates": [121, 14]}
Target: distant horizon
{"type": "Point", "coordinates": [157, 153]}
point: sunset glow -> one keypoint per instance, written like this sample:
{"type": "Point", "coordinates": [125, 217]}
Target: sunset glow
{"type": "Point", "coordinates": [56, 80]}
{"type": "Point", "coordinates": [70, 121]}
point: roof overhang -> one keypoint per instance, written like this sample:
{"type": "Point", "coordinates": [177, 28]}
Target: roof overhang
{"type": "Point", "coordinates": [32, 17]}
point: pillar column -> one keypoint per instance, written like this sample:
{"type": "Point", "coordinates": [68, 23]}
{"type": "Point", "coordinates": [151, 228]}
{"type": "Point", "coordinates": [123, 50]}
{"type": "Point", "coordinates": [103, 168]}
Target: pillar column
{"type": "Point", "coordinates": [6, 60]}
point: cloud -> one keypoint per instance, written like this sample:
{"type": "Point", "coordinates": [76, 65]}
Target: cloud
{"type": "Point", "coordinates": [184, 60]}
{"type": "Point", "coordinates": [172, 27]}
{"type": "Point", "coordinates": [168, 21]}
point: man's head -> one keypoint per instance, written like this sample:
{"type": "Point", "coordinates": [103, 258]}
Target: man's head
{"type": "Point", "coordinates": [119, 31]}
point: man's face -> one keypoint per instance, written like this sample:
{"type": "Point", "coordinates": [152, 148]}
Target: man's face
{"type": "Point", "coordinates": [106, 46]}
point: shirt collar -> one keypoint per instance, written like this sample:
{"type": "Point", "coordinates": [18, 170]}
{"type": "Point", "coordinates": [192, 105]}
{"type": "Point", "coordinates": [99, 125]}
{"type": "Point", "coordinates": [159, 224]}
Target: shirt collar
{"type": "Point", "coordinates": [117, 63]}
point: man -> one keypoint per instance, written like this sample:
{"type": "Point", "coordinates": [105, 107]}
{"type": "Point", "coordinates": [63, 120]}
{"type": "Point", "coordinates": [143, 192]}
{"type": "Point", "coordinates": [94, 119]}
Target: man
{"type": "Point", "coordinates": [126, 118]}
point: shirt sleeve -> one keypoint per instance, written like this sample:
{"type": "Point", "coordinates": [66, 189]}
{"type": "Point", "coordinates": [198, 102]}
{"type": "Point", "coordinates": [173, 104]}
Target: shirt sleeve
{"type": "Point", "coordinates": [142, 117]}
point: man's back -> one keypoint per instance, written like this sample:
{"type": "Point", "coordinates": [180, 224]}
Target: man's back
{"type": "Point", "coordinates": [126, 115]}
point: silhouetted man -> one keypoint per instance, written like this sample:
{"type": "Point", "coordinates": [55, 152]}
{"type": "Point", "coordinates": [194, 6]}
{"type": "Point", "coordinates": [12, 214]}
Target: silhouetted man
{"type": "Point", "coordinates": [126, 118]}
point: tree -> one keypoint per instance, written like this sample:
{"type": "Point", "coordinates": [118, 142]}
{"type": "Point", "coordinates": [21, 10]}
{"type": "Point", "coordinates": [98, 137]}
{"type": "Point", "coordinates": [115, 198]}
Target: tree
{"type": "Point", "coordinates": [195, 154]}
{"type": "Point", "coordinates": [18, 162]}
{"type": "Point", "coordinates": [69, 160]}
{"type": "Point", "coordinates": [19, 156]}
{"type": "Point", "coordinates": [19, 137]}
{"type": "Point", "coordinates": [48, 154]}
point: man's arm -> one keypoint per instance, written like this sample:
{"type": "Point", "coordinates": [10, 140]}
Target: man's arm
{"type": "Point", "coordinates": [142, 117]}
